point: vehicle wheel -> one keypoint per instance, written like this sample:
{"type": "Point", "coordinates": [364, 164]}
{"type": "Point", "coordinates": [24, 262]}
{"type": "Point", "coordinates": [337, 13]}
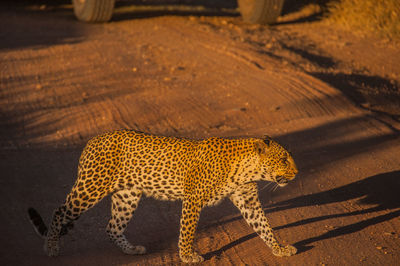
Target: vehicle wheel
{"type": "Point", "coordinates": [260, 11]}
{"type": "Point", "coordinates": [93, 10]}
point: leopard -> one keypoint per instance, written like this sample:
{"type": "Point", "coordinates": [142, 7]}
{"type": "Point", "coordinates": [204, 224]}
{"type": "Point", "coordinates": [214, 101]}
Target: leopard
{"type": "Point", "coordinates": [128, 164]}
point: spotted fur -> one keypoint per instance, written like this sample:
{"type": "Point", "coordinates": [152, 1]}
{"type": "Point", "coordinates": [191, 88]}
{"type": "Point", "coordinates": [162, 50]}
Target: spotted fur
{"type": "Point", "coordinates": [128, 164]}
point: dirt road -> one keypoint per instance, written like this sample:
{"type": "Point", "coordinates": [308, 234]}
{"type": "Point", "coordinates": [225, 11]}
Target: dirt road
{"type": "Point", "coordinates": [330, 97]}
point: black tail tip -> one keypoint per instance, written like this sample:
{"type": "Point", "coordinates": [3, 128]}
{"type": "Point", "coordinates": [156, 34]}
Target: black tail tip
{"type": "Point", "coordinates": [32, 212]}
{"type": "Point", "coordinates": [37, 222]}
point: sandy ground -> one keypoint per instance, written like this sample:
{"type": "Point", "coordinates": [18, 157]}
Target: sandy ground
{"type": "Point", "coordinates": [329, 96]}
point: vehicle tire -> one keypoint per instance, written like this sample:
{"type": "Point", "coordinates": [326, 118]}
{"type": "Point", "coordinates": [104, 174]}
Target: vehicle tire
{"type": "Point", "coordinates": [260, 11]}
{"type": "Point", "coordinates": [93, 10]}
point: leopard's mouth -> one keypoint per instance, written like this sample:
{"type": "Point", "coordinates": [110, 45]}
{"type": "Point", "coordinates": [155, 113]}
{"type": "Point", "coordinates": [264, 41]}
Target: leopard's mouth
{"type": "Point", "coordinates": [282, 180]}
{"type": "Point", "coordinates": [282, 184]}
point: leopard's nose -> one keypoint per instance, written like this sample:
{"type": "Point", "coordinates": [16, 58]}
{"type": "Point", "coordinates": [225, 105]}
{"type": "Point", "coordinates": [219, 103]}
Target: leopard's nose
{"type": "Point", "coordinates": [295, 170]}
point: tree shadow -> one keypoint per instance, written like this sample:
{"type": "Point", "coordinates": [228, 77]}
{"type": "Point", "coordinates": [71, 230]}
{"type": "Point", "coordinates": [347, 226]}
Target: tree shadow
{"type": "Point", "coordinates": [376, 90]}
{"type": "Point", "coordinates": [324, 144]}
{"type": "Point", "coordinates": [380, 191]}
{"type": "Point", "coordinates": [317, 59]}
{"type": "Point", "coordinates": [371, 92]}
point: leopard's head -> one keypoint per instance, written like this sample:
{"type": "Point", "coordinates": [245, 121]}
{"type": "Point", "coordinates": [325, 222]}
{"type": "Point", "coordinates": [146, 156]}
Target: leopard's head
{"type": "Point", "coordinates": [275, 162]}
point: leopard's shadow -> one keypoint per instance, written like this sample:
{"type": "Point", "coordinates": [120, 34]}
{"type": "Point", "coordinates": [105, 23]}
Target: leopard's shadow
{"type": "Point", "coordinates": [379, 191]}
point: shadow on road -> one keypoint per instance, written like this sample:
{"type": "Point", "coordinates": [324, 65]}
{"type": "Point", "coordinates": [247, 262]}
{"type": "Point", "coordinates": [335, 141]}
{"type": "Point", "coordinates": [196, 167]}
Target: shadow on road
{"type": "Point", "coordinates": [373, 191]}
{"type": "Point", "coordinates": [377, 91]}
{"type": "Point", "coordinates": [50, 22]}
{"type": "Point", "coordinates": [371, 92]}
{"type": "Point", "coordinates": [44, 23]}
{"type": "Point", "coordinates": [318, 146]}
{"type": "Point", "coordinates": [37, 24]}
{"type": "Point", "coordinates": [136, 9]}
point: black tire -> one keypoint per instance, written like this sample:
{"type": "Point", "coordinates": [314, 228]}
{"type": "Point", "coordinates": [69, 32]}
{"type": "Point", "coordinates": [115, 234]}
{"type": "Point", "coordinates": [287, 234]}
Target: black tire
{"type": "Point", "coordinates": [260, 11]}
{"type": "Point", "coordinates": [93, 10]}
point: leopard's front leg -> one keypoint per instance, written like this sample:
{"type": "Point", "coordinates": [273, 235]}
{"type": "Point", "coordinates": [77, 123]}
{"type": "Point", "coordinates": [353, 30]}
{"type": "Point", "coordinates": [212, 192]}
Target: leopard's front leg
{"type": "Point", "coordinates": [190, 216]}
{"type": "Point", "coordinates": [246, 200]}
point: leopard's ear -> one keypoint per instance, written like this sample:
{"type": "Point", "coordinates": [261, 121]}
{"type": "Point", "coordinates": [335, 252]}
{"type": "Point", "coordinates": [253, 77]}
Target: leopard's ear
{"type": "Point", "coordinates": [261, 147]}
{"type": "Point", "coordinates": [267, 140]}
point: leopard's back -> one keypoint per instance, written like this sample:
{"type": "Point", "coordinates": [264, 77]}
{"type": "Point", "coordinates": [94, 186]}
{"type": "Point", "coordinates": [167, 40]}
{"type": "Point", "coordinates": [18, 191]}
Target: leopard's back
{"type": "Point", "coordinates": [156, 165]}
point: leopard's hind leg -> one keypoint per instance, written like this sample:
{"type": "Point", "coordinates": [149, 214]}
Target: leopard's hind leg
{"type": "Point", "coordinates": [78, 201]}
{"type": "Point", "coordinates": [124, 203]}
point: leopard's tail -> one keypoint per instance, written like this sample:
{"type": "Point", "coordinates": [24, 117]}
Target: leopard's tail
{"type": "Point", "coordinates": [37, 222]}
{"type": "Point", "coordinates": [41, 228]}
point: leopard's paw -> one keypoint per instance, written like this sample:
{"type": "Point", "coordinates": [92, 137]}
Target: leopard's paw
{"type": "Point", "coordinates": [282, 251]}
{"type": "Point", "coordinates": [134, 250]}
{"type": "Point", "coordinates": [51, 248]}
{"type": "Point", "coordinates": [193, 258]}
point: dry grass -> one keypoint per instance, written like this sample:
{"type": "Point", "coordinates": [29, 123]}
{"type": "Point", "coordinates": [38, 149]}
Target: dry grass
{"type": "Point", "coordinates": [376, 16]}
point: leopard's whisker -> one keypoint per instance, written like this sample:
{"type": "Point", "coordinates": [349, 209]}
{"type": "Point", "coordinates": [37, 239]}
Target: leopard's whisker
{"type": "Point", "coordinates": [267, 185]}
{"type": "Point", "coordinates": [272, 188]}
